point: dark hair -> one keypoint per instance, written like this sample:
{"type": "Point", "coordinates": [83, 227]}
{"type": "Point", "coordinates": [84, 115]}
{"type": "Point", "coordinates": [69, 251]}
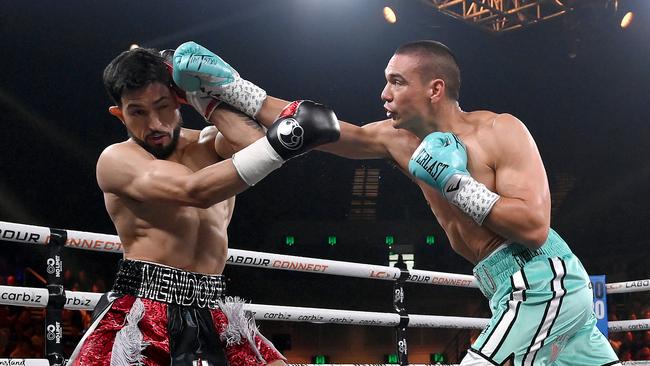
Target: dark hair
{"type": "Point", "coordinates": [133, 70]}
{"type": "Point", "coordinates": [441, 63]}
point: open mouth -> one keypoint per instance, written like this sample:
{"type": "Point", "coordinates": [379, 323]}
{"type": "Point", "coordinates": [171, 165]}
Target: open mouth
{"type": "Point", "coordinates": [157, 138]}
{"type": "Point", "coordinates": [390, 114]}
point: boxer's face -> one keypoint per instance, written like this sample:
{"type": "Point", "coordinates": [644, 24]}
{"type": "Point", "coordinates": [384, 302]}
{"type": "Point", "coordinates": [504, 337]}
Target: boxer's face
{"type": "Point", "coordinates": [406, 97]}
{"type": "Point", "coordinates": [152, 118]}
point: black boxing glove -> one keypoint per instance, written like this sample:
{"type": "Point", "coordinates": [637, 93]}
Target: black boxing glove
{"type": "Point", "coordinates": [301, 126]}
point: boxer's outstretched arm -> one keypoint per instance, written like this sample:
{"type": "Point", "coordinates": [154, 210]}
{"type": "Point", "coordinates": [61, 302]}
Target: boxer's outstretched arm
{"type": "Point", "coordinates": [127, 170]}
{"type": "Point", "coordinates": [366, 142]}
{"type": "Point", "coordinates": [231, 131]}
{"type": "Point", "coordinates": [523, 212]}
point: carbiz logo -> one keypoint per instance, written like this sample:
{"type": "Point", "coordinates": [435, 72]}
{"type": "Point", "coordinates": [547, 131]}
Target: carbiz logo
{"type": "Point", "coordinates": [77, 301]}
{"type": "Point", "coordinates": [55, 265]}
{"type": "Point", "coordinates": [25, 297]}
{"type": "Point", "coordinates": [54, 332]}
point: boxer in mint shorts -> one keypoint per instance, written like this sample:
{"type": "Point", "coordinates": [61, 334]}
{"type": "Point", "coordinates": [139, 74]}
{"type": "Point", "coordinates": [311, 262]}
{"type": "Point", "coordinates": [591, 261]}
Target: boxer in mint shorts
{"type": "Point", "coordinates": [542, 309]}
{"type": "Point", "coordinates": [484, 180]}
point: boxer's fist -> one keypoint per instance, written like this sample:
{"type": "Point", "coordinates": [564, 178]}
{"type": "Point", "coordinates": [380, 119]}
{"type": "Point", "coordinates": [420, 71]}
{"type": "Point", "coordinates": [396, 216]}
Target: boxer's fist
{"type": "Point", "coordinates": [198, 69]}
{"type": "Point", "coordinates": [168, 56]}
{"type": "Point", "coordinates": [439, 157]}
{"type": "Point", "coordinates": [301, 126]}
{"type": "Point", "coordinates": [202, 102]}
{"type": "Point", "coordinates": [441, 162]}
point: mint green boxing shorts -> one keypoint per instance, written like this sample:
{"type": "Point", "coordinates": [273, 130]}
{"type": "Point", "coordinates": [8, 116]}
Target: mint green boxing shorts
{"type": "Point", "coordinates": [541, 309]}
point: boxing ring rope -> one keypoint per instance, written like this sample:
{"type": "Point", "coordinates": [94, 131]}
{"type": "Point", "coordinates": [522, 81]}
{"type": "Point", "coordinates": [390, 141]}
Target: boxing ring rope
{"type": "Point", "coordinates": [30, 234]}
{"type": "Point", "coordinates": [54, 298]}
{"type": "Point", "coordinates": [78, 300]}
{"type": "Point", "coordinates": [44, 362]}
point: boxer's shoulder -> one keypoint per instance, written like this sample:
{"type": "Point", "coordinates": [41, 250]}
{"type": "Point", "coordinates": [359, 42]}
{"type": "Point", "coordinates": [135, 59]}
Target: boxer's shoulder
{"type": "Point", "coordinates": [123, 150]}
{"type": "Point", "coordinates": [207, 135]}
{"type": "Point", "coordinates": [493, 129]}
{"type": "Point", "coordinates": [488, 120]}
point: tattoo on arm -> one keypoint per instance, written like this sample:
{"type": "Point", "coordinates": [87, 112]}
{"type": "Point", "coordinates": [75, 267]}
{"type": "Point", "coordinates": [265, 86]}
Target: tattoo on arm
{"type": "Point", "coordinates": [253, 123]}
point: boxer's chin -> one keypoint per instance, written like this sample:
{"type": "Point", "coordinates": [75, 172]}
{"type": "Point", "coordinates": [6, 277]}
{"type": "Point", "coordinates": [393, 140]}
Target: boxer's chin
{"type": "Point", "coordinates": [160, 151]}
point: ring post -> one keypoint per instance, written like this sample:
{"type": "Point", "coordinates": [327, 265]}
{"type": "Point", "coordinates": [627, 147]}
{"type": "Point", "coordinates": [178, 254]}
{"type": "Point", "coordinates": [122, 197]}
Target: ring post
{"type": "Point", "coordinates": [400, 308]}
{"type": "Point", "coordinates": [56, 299]}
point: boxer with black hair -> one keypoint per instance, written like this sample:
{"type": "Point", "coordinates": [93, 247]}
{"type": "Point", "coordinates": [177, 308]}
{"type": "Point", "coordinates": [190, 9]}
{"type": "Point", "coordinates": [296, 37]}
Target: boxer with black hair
{"type": "Point", "coordinates": [170, 191]}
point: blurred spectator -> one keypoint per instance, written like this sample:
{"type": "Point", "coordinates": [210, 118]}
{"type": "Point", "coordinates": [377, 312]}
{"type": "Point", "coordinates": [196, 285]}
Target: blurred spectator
{"type": "Point", "coordinates": [24, 349]}
{"type": "Point", "coordinates": [643, 354]}
{"type": "Point", "coordinates": [4, 341]}
{"type": "Point", "coordinates": [98, 286]}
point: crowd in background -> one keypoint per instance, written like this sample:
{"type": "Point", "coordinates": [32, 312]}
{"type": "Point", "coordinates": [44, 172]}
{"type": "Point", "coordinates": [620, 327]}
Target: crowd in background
{"type": "Point", "coordinates": [22, 329]}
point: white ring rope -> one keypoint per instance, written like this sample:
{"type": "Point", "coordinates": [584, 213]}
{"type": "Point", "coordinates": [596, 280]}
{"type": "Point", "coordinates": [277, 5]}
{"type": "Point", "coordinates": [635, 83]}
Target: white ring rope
{"type": "Point", "coordinates": [111, 243]}
{"type": "Point", "coordinates": [77, 300]}
{"type": "Point", "coordinates": [22, 233]}
{"type": "Point", "coordinates": [629, 286]}
{"type": "Point", "coordinates": [350, 269]}
{"type": "Point", "coordinates": [45, 362]}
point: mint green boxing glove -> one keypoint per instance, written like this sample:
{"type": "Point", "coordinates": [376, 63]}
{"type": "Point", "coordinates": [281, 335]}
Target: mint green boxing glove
{"type": "Point", "coordinates": [195, 68]}
{"type": "Point", "coordinates": [438, 158]}
{"type": "Point", "coordinates": [441, 162]}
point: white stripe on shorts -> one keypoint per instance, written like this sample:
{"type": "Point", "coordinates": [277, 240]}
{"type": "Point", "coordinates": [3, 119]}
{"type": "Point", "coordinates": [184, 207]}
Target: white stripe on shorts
{"type": "Point", "coordinates": [551, 312]}
{"type": "Point", "coordinates": [502, 328]}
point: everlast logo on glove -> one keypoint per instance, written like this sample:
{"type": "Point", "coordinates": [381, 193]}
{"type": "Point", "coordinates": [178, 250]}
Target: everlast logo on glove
{"type": "Point", "coordinates": [434, 168]}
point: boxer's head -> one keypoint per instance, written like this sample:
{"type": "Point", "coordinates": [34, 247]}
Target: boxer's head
{"type": "Point", "coordinates": [138, 82]}
{"type": "Point", "coordinates": [420, 75]}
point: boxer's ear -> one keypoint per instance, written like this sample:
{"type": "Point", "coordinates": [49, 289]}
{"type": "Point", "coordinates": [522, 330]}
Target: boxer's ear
{"type": "Point", "coordinates": [117, 112]}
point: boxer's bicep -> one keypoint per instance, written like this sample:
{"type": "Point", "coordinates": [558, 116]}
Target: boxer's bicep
{"type": "Point", "coordinates": [127, 172]}
{"type": "Point", "coordinates": [519, 170]}
{"type": "Point", "coordinates": [522, 213]}
{"type": "Point", "coordinates": [222, 147]}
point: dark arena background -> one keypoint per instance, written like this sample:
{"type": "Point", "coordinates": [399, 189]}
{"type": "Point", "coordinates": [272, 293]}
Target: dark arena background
{"type": "Point", "coordinates": [574, 72]}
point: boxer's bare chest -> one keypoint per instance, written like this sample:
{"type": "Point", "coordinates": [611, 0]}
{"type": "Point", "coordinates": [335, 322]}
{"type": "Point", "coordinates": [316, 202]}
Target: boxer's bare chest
{"type": "Point", "coordinates": [186, 237]}
{"type": "Point", "coordinates": [468, 239]}
{"type": "Point", "coordinates": [211, 223]}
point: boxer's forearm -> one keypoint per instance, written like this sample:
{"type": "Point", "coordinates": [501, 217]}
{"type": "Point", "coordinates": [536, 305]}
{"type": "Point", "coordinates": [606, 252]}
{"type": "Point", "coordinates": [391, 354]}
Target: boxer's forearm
{"type": "Point", "coordinates": [270, 110]}
{"type": "Point", "coordinates": [213, 184]}
{"type": "Point", "coordinates": [238, 129]}
{"type": "Point", "coordinates": [355, 142]}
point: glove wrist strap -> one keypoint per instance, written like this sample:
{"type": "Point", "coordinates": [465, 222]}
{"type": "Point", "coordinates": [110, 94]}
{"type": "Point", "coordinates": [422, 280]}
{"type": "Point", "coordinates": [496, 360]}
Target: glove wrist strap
{"type": "Point", "coordinates": [244, 96]}
{"type": "Point", "coordinates": [470, 196]}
